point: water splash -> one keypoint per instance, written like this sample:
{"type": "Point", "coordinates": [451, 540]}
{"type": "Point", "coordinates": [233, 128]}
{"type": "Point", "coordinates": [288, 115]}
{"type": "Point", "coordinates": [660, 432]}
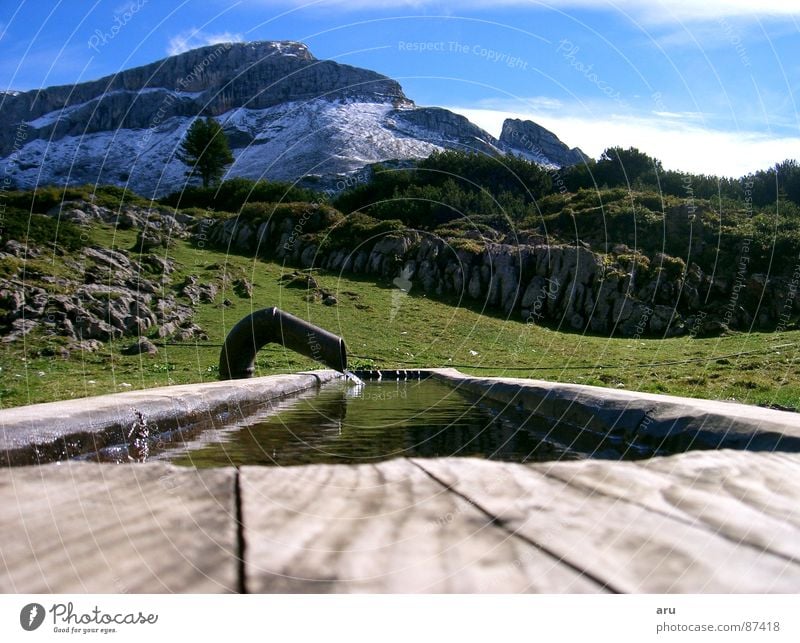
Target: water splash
{"type": "Point", "coordinates": [139, 438]}
{"type": "Point", "coordinates": [355, 379]}
{"type": "Point", "coordinates": [357, 382]}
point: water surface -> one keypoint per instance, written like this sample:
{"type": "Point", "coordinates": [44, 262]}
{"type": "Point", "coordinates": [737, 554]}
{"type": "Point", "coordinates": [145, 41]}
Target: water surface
{"type": "Point", "coordinates": [347, 423]}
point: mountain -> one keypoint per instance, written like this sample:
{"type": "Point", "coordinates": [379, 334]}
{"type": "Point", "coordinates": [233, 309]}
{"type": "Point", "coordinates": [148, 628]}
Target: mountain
{"type": "Point", "coordinates": [535, 143]}
{"type": "Point", "coordinates": [286, 114]}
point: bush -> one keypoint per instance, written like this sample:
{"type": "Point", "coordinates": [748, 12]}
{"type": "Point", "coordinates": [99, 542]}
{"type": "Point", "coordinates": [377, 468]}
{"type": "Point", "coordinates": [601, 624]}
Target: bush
{"type": "Point", "coordinates": [113, 197]}
{"type": "Point", "coordinates": [654, 202]}
{"type": "Point", "coordinates": [358, 228]}
{"type": "Point", "coordinates": [471, 246]}
{"type": "Point", "coordinates": [39, 229]}
{"type": "Point", "coordinates": [635, 261]}
{"type": "Point", "coordinates": [315, 216]}
{"type": "Point", "coordinates": [673, 267]}
{"type": "Point", "coordinates": [552, 203]}
{"type": "Point", "coordinates": [42, 200]}
{"type": "Point", "coordinates": [234, 194]}
{"type": "Point", "coordinates": [447, 186]}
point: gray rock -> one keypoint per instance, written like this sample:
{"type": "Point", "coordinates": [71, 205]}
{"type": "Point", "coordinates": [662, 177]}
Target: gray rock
{"type": "Point", "coordinates": [475, 287]}
{"type": "Point", "coordinates": [660, 320]}
{"type": "Point", "coordinates": [208, 292]}
{"type": "Point", "coordinates": [109, 258]}
{"type": "Point", "coordinates": [150, 239]}
{"type": "Point", "coordinates": [190, 331]}
{"type": "Point", "coordinates": [244, 237]}
{"type": "Point", "coordinates": [299, 280]}
{"type": "Point", "coordinates": [142, 345]}
{"type": "Point", "coordinates": [243, 288]}
{"type": "Point", "coordinates": [17, 249]}
{"type": "Point", "coordinates": [308, 256]}
{"type": "Point", "coordinates": [74, 215]}
{"type": "Point", "coordinates": [12, 301]}
{"type": "Point", "coordinates": [19, 328]}
{"type": "Point", "coordinates": [86, 345]}
{"type": "Point", "coordinates": [453, 129]}
{"type": "Point", "coordinates": [191, 289]}
{"type": "Point", "coordinates": [167, 329]}
{"type": "Point", "coordinates": [90, 327]}
{"type": "Point", "coordinates": [160, 265]}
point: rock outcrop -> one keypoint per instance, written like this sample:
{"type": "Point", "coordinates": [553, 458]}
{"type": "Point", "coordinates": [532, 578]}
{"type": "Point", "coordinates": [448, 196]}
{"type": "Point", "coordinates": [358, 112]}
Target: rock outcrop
{"type": "Point", "coordinates": [535, 143]}
{"type": "Point", "coordinates": [569, 287]}
{"type": "Point", "coordinates": [108, 295]}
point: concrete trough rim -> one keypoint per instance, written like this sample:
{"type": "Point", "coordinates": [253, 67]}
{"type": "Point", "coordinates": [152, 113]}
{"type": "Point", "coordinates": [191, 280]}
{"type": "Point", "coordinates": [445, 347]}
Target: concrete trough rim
{"type": "Point", "coordinates": [57, 430]}
{"type": "Point", "coordinates": [651, 417]}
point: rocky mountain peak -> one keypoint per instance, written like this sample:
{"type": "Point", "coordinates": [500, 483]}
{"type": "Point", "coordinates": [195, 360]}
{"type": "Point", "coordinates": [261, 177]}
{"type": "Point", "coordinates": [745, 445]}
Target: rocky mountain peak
{"type": "Point", "coordinates": [211, 80]}
{"type": "Point", "coordinates": [535, 143]}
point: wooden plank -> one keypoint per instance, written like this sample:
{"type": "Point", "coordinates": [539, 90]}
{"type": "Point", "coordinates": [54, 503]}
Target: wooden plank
{"type": "Point", "coordinates": [85, 527]}
{"type": "Point", "coordinates": [629, 546]}
{"type": "Point", "coordinates": [769, 482]}
{"type": "Point", "coordinates": [749, 498]}
{"type": "Point", "coordinates": [381, 528]}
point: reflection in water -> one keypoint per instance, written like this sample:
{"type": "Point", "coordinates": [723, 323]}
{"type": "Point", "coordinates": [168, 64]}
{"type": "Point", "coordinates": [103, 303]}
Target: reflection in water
{"type": "Point", "coordinates": [343, 423]}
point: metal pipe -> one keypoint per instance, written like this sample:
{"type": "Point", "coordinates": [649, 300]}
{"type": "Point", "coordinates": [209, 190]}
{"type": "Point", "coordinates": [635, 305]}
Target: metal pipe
{"type": "Point", "coordinates": [238, 356]}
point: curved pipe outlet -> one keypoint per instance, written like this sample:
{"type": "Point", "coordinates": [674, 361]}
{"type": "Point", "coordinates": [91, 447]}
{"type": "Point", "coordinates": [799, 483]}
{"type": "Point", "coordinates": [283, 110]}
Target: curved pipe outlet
{"type": "Point", "coordinates": [238, 357]}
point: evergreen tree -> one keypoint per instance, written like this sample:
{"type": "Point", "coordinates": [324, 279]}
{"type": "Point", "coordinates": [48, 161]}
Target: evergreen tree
{"type": "Point", "coordinates": [626, 167]}
{"type": "Point", "coordinates": [205, 150]}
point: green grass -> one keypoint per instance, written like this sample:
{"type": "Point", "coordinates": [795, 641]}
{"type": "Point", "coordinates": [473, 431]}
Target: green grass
{"type": "Point", "coordinates": [385, 329]}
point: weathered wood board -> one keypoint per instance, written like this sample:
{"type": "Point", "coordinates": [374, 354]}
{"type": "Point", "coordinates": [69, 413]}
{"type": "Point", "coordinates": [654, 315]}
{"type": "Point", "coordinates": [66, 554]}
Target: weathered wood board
{"type": "Point", "coordinates": [83, 527]}
{"type": "Point", "coordinates": [662, 525]}
{"type": "Point", "coordinates": [387, 527]}
{"type": "Point", "coordinates": [700, 522]}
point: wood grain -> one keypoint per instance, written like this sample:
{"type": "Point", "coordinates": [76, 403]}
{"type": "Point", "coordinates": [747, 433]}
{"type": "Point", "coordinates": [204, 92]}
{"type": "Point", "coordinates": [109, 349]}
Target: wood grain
{"type": "Point", "coordinates": [83, 527]}
{"type": "Point", "coordinates": [636, 534]}
{"type": "Point", "coordinates": [382, 528]}
{"type": "Point", "coordinates": [700, 522]}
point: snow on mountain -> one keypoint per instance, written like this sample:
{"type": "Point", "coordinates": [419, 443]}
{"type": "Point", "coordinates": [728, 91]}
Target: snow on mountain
{"type": "Point", "coordinates": [317, 137]}
{"type": "Point", "coordinates": [285, 113]}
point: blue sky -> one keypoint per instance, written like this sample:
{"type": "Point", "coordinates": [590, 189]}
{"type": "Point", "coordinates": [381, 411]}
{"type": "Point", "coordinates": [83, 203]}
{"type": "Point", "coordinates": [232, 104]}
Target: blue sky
{"type": "Point", "coordinates": [705, 85]}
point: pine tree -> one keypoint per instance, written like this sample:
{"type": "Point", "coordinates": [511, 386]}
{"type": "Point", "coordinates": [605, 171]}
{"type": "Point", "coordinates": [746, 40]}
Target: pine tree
{"type": "Point", "coordinates": [205, 150]}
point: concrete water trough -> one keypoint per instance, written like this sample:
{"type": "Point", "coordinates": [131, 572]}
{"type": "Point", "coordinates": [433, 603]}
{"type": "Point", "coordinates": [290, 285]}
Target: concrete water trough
{"type": "Point", "coordinates": [721, 514]}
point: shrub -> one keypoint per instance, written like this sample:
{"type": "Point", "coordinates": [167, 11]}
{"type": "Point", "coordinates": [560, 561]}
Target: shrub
{"type": "Point", "coordinates": [43, 199]}
{"type": "Point", "coordinates": [234, 194]}
{"type": "Point", "coordinates": [635, 261]}
{"type": "Point", "coordinates": [472, 246]}
{"type": "Point", "coordinates": [314, 216]}
{"type": "Point", "coordinates": [654, 202]}
{"type": "Point", "coordinates": [40, 229]}
{"type": "Point", "coordinates": [673, 267]}
{"type": "Point", "coordinates": [358, 228]}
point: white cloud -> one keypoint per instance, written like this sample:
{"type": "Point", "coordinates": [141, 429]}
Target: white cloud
{"type": "Point", "coordinates": [194, 38]}
{"type": "Point", "coordinates": [532, 103]}
{"type": "Point", "coordinates": [654, 11]}
{"type": "Point", "coordinates": [679, 116]}
{"type": "Point", "coordinates": [679, 145]}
